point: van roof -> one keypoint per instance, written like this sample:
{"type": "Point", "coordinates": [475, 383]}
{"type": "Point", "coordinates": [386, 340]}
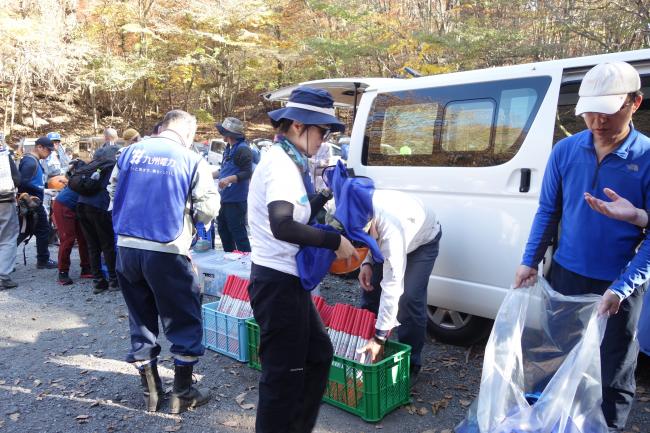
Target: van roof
{"type": "Point", "coordinates": [343, 89]}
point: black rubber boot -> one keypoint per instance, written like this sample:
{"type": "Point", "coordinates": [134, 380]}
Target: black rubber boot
{"type": "Point", "coordinates": [152, 385]}
{"type": "Point", "coordinates": [184, 395]}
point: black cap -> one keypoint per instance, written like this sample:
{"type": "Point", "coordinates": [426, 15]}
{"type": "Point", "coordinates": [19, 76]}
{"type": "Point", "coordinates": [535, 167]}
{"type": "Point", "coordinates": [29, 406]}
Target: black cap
{"type": "Point", "coordinates": [45, 142]}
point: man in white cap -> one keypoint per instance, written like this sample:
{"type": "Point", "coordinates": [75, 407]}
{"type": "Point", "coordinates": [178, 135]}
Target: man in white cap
{"type": "Point", "coordinates": [596, 254]}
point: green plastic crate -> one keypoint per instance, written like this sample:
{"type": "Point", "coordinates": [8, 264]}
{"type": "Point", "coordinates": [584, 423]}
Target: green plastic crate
{"type": "Point", "coordinates": [253, 344]}
{"type": "Point", "coordinates": [368, 391]}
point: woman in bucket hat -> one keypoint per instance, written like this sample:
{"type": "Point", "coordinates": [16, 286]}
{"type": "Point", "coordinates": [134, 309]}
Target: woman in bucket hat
{"type": "Point", "coordinates": [295, 350]}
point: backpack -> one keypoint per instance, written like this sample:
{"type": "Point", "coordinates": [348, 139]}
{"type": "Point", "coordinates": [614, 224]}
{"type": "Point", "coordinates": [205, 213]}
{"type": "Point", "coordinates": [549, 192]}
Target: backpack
{"type": "Point", "coordinates": [7, 188]}
{"type": "Point", "coordinates": [86, 179]}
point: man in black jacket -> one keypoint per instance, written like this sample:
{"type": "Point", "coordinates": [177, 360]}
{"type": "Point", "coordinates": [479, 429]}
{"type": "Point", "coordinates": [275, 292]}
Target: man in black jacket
{"type": "Point", "coordinates": [9, 181]}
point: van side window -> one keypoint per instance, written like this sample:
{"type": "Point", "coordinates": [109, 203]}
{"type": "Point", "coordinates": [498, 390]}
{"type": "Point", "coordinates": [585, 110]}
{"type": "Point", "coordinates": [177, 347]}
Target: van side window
{"type": "Point", "coordinates": [407, 129]}
{"type": "Point", "coordinates": [470, 125]}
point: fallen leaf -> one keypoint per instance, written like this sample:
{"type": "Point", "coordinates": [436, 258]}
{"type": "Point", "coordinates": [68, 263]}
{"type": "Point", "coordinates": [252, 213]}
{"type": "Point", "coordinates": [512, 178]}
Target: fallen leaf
{"type": "Point", "coordinates": [231, 424]}
{"type": "Point", "coordinates": [423, 411]}
{"type": "Point", "coordinates": [247, 406]}
{"type": "Point", "coordinates": [643, 399]}
{"type": "Point", "coordinates": [446, 431]}
{"type": "Point", "coordinates": [172, 428]}
{"type": "Point", "coordinates": [379, 426]}
{"type": "Point", "coordinates": [465, 403]}
{"type": "Point", "coordinates": [240, 398]}
{"type": "Point", "coordinates": [14, 416]}
{"type": "Point", "coordinates": [85, 334]}
{"type": "Point", "coordinates": [81, 417]}
{"type": "Point", "coordinates": [37, 382]}
{"type": "Point", "coordinates": [95, 404]}
{"type": "Point", "coordinates": [636, 428]}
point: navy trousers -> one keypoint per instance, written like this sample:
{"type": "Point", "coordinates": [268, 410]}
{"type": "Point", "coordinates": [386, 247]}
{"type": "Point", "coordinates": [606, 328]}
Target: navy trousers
{"type": "Point", "coordinates": [412, 313]}
{"type": "Point", "coordinates": [231, 224]}
{"type": "Point", "coordinates": [164, 285]}
{"type": "Point", "coordinates": [619, 349]}
{"type": "Point", "coordinates": [295, 353]}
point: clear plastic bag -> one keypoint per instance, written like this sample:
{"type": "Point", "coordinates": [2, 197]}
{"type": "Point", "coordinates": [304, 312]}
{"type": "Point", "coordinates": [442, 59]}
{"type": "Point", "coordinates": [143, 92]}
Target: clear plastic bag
{"type": "Point", "coordinates": [541, 371]}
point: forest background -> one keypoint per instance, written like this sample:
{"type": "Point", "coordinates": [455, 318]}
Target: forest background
{"type": "Point", "coordinates": [76, 66]}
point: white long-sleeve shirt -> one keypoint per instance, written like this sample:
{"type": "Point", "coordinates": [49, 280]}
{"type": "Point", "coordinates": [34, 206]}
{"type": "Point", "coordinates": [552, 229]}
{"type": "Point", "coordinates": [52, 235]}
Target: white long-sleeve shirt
{"type": "Point", "coordinates": [403, 224]}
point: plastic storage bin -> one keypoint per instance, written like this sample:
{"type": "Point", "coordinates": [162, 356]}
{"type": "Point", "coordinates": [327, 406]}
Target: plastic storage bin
{"type": "Point", "coordinates": [368, 391]}
{"type": "Point", "coordinates": [214, 268]}
{"type": "Point", "coordinates": [223, 333]}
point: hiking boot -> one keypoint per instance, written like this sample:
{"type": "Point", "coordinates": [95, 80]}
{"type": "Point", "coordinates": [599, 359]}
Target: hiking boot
{"type": "Point", "coordinates": [86, 273]}
{"type": "Point", "coordinates": [184, 395]}
{"type": "Point", "coordinates": [64, 279]}
{"type": "Point", "coordinates": [99, 286]}
{"type": "Point", "coordinates": [50, 264]}
{"type": "Point", "coordinates": [113, 286]}
{"type": "Point", "coordinates": [152, 385]}
{"type": "Point", "coordinates": [7, 283]}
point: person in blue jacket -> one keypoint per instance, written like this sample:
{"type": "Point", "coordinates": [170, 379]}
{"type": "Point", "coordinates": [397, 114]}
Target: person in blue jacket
{"type": "Point", "coordinates": [621, 209]}
{"type": "Point", "coordinates": [32, 181]}
{"type": "Point", "coordinates": [234, 178]}
{"type": "Point", "coordinates": [596, 254]}
{"type": "Point", "coordinates": [160, 189]}
{"type": "Point", "coordinates": [97, 226]}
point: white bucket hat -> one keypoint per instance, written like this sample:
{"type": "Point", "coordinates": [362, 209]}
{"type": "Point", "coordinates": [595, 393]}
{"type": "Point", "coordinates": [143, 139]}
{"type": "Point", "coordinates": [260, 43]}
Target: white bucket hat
{"type": "Point", "coordinates": [606, 86]}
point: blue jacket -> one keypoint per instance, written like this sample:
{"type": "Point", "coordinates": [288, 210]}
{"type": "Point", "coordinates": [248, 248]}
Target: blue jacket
{"type": "Point", "coordinates": [591, 244]}
{"type": "Point", "coordinates": [154, 187]}
{"type": "Point", "coordinates": [67, 198]}
{"type": "Point", "coordinates": [31, 176]}
{"type": "Point", "coordinates": [237, 160]}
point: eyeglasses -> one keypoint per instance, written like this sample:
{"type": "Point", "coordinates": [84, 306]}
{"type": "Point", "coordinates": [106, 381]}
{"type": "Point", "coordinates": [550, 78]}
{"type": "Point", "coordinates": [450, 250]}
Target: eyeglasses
{"type": "Point", "coordinates": [324, 130]}
{"type": "Point", "coordinates": [620, 110]}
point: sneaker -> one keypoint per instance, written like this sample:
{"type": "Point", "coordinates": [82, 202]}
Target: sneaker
{"type": "Point", "coordinates": [50, 264]}
{"type": "Point", "coordinates": [113, 286]}
{"type": "Point", "coordinates": [99, 286]}
{"type": "Point", "coordinates": [7, 283]}
{"type": "Point", "coordinates": [64, 279]}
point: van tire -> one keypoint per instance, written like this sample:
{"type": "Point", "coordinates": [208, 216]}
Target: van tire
{"type": "Point", "coordinates": [453, 327]}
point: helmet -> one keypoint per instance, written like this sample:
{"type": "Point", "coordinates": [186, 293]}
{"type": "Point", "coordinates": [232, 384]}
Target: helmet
{"type": "Point", "coordinates": [57, 182]}
{"type": "Point", "coordinates": [54, 136]}
{"type": "Point", "coordinates": [340, 266]}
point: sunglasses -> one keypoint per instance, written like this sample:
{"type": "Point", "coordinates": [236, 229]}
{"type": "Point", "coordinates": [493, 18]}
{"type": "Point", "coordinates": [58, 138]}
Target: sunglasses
{"type": "Point", "coordinates": [324, 130]}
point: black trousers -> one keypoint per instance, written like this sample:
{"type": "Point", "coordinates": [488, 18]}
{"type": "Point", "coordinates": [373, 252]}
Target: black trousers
{"type": "Point", "coordinates": [97, 227]}
{"type": "Point", "coordinates": [619, 349]}
{"type": "Point", "coordinates": [295, 352]}
{"type": "Point", "coordinates": [42, 235]}
{"type": "Point", "coordinates": [231, 225]}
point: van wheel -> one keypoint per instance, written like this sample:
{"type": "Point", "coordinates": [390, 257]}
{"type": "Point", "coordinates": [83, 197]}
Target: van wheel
{"type": "Point", "coordinates": [454, 327]}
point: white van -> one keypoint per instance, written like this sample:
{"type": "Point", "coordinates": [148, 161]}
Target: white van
{"type": "Point", "coordinates": [474, 145]}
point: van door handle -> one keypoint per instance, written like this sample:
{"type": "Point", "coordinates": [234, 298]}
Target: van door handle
{"type": "Point", "coordinates": [524, 181]}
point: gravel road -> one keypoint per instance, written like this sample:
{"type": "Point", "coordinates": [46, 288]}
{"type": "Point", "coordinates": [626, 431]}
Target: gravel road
{"type": "Point", "coordinates": [61, 352]}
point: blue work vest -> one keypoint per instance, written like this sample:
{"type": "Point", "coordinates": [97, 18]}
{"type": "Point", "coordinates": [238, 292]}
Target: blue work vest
{"type": "Point", "coordinates": [36, 184]}
{"type": "Point", "coordinates": [153, 188]}
{"type": "Point", "coordinates": [235, 192]}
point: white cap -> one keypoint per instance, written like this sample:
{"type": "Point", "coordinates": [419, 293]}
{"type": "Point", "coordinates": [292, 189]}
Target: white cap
{"type": "Point", "coordinates": [606, 86]}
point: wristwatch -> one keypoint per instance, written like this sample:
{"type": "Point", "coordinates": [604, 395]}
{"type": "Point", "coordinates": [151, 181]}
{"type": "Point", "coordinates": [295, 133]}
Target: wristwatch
{"type": "Point", "coordinates": [379, 340]}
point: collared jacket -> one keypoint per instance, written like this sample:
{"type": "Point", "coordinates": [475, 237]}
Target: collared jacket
{"type": "Point", "coordinates": [159, 190]}
{"type": "Point", "coordinates": [237, 160]}
{"type": "Point", "coordinates": [591, 244]}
